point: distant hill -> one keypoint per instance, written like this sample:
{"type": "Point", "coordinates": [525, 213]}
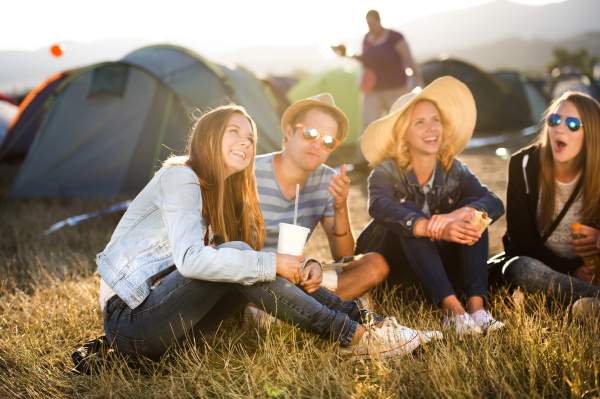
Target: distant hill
{"type": "Point", "coordinates": [492, 35]}
{"type": "Point", "coordinates": [525, 55]}
{"type": "Point", "coordinates": [499, 20]}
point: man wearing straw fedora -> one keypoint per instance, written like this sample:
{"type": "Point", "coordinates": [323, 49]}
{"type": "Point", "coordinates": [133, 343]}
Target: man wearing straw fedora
{"type": "Point", "coordinates": [313, 128]}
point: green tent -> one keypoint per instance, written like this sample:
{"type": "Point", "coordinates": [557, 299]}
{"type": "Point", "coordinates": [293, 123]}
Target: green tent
{"type": "Point", "coordinates": [342, 85]}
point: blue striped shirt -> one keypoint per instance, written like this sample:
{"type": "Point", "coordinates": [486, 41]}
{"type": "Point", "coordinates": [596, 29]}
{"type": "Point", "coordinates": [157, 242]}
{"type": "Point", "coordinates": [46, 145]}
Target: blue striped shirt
{"type": "Point", "coordinates": [315, 201]}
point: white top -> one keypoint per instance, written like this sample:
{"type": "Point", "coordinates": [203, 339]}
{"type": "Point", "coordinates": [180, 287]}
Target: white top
{"type": "Point", "coordinates": [105, 294]}
{"type": "Point", "coordinates": [558, 242]}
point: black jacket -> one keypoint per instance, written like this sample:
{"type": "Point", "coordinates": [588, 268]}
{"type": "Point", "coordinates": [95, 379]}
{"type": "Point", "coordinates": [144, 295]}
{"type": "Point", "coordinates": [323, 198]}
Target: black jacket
{"type": "Point", "coordinates": [522, 237]}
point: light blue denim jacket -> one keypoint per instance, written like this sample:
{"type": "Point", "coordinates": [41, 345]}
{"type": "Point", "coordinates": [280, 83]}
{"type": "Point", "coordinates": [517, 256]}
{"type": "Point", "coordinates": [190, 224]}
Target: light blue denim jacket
{"type": "Point", "coordinates": [164, 227]}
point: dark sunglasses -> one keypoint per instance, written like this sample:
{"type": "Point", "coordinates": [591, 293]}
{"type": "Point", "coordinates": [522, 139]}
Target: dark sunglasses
{"type": "Point", "coordinates": [572, 123]}
{"type": "Point", "coordinates": [310, 134]}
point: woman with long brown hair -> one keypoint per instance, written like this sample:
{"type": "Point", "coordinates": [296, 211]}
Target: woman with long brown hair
{"type": "Point", "coordinates": [184, 257]}
{"type": "Point", "coordinates": [552, 185]}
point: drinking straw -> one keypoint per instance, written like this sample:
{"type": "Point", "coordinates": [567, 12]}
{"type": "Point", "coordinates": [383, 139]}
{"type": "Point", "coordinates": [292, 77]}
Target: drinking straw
{"type": "Point", "coordinates": [296, 207]}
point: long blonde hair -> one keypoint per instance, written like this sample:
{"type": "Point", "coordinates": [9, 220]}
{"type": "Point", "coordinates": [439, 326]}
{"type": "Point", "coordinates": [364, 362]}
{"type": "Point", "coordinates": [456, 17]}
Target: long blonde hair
{"type": "Point", "coordinates": [401, 153]}
{"type": "Point", "coordinates": [589, 161]}
{"type": "Point", "coordinates": [231, 204]}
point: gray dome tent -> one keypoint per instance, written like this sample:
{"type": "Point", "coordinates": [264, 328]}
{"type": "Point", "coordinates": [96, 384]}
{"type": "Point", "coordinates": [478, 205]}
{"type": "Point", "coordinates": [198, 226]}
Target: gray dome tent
{"type": "Point", "coordinates": [497, 107]}
{"type": "Point", "coordinates": [202, 84]}
{"type": "Point", "coordinates": [105, 130]}
{"type": "Point", "coordinates": [530, 97]}
{"type": "Point", "coordinates": [109, 126]}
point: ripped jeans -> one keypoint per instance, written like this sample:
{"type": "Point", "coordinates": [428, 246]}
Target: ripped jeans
{"type": "Point", "coordinates": [534, 276]}
{"type": "Point", "coordinates": [179, 308]}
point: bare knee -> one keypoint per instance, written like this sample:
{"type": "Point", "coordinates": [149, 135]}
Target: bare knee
{"type": "Point", "coordinates": [377, 266]}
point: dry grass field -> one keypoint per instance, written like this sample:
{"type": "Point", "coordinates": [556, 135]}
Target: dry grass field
{"type": "Point", "coordinates": [49, 307]}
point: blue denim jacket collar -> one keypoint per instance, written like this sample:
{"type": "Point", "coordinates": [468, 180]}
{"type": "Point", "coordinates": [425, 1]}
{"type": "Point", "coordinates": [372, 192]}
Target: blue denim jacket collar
{"type": "Point", "coordinates": [453, 189]}
{"type": "Point", "coordinates": [438, 180]}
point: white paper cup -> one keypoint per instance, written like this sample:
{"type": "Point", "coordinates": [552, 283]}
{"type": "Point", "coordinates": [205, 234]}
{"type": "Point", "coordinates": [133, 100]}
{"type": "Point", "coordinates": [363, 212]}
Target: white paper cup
{"type": "Point", "coordinates": [291, 239]}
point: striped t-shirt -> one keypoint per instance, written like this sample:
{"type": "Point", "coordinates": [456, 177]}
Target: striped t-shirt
{"type": "Point", "coordinates": [315, 201]}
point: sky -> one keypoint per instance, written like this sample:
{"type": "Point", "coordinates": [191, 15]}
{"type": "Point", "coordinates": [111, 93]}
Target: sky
{"type": "Point", "coordinates": [233, 23]}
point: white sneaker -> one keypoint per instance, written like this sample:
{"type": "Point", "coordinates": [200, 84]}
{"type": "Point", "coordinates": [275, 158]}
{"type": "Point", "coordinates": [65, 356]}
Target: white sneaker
{"type": "Point", "coordinates": [390, 340]}
{"type": "Point", "coordinates": [486, 322]}
{"type": "Point", "coordinates": [462, 324]}
{"type": "Point", "coordinates": [586, 308]}
{"type": "Point", "coordinates": [391, 325]}
{"type": "Point", "coordinates": [259, 319]}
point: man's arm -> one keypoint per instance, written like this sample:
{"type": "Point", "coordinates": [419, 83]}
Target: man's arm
{"type": "Point", "coordinates": [342, 242]}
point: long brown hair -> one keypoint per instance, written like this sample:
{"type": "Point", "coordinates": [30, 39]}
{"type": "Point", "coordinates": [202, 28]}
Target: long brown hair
{"type": "Point", "coordinates": [401, 152]}
{"type": "Point", "coordinates": [231, 204]}
{"type": "Point", "coordinates": [589, 161]}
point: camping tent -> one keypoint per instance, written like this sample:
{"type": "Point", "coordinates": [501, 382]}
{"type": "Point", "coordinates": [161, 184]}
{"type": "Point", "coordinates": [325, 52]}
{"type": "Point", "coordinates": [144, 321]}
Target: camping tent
{"type": "Point", "coordinates": [497, 107]}
{"type": "Point", "coordinates": [31, 112]}
{"type": "Point", "coordinates": [574, 79]}
{"type": "Point", "coordinates": [341, 83]}
{"type": "Point", "coordinates": [529, 95]}
{"type": "Point", "coordinates": [203, 84]}
{"type": "Point", "coordinates": [8, 111]}
{"type": "Point", "coordinates": [106, 128]}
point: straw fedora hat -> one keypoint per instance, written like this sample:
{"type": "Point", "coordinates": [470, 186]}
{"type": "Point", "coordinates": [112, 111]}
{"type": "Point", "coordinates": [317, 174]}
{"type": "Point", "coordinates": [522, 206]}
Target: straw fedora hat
{"type": "Point", "coordinates": [451, 96]}
{"type": "Point", "coordinates": [324, 100]}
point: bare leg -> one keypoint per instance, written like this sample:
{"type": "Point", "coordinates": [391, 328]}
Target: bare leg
{"type": "Point", "coordinates": [451, 306]}
{"type": "Point", "coordinates": [474, 304]}
{"type": "Point", "coordinates": [365, 272]}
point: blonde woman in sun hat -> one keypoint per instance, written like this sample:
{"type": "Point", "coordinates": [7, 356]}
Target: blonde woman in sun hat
{"type": "Point", "coordinates": [424, 198]}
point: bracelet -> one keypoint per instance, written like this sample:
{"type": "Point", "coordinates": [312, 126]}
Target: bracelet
{"type": "Point", "coordinates": [470, 213]}
{"type": "Point", "coordinates": [339, 235]}
{"type": "Point", "coordinates": [309, 259]}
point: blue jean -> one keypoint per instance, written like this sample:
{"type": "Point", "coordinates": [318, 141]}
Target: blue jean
{"type": "Point", "coordinates": [534, 276]}
{"type": "Point", "coordinates": [180, 307]}
{"type": "Point", "coordinates": [440, 266]}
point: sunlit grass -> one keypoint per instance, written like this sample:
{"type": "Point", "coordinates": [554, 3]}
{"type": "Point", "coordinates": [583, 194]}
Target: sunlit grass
{"type": "Point", "coordinates": [49, 307]}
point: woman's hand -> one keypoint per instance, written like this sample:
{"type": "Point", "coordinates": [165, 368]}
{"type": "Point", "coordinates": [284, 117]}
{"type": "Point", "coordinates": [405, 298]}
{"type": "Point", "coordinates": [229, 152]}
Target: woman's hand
{"type": "Point", "coordinates": [437, 223]}
{"type": "Point", "coordinates": [288, 267]}
{"type": "Point", "coordinates": [586, 246]}
{"type": "Point", "coordinates": [312, 277]}
{"type": "Point", "coordinates": [461, 232]}
{"type": "Point", "coordinates": [586, 274]}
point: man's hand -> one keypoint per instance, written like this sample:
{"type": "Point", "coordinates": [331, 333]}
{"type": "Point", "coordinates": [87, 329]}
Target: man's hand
{"type": "Point", "coordinates": [339, 188]}
{"type": "Point", "coordinates": [586, 274]}
{"type": "Point", "coordinates": [312, 277]}
{"type": "Point", "coordinates": [288, 267]}
{"type": "Point", "coordinates": [586, 246]}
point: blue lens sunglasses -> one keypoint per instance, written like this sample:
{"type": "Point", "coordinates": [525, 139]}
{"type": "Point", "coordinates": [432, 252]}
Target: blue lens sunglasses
{"type": "Point", "coordinates": [572, 123]}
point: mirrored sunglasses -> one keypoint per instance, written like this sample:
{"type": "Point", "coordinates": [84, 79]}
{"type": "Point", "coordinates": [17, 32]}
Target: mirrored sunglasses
{"type": "Point", "coordinates": [310, 134]}
{"type": "Point", "coordinates": [572, 123]}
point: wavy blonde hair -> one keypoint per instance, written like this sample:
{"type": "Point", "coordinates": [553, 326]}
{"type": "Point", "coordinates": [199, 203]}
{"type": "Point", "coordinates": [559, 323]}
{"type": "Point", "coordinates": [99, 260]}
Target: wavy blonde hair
{"type": "Point", "coordinates": [589, 161]}
{"type": "Point", "coordinates": [231, 204]}
{"type": "Point", "coordinates": [400, 151]}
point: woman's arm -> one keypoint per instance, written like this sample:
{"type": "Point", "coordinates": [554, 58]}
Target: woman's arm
{"type": "Point", "coordinates": [399, 218]}
{"type": "Point", "coordinates": [179, 199]}
{"type": "Point", "coordinates": [521, 226]}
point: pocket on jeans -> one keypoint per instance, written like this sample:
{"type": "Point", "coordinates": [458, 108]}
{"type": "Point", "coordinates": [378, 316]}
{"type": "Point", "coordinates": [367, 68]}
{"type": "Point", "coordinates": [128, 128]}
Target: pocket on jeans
{"type": "Point", "coordinates": [128, 346]}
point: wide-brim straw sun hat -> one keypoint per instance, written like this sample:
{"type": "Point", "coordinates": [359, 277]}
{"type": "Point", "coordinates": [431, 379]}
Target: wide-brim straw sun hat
{"type": "Point", "coordinates": [455, 102]}
{"type": "Point", "coordinates": [324, 100]}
